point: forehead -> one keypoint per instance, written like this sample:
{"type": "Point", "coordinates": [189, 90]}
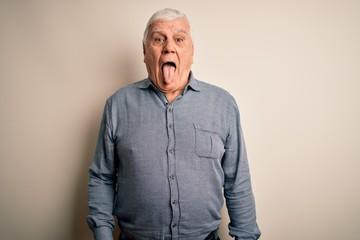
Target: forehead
{"type": "Point", "coordinates": [178, 25]}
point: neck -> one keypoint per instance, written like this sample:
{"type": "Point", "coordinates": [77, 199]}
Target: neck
{"type": "Point", "coordinates": [171, 96]}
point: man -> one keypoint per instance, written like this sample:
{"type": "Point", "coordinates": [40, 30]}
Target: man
{"type": "Point", "coordinates": [168, 146]}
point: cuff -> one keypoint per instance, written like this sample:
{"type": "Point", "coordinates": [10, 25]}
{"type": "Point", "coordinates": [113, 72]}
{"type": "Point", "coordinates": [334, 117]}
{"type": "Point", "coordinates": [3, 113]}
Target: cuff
{"type": "Point", "coordinates": [103, 233]}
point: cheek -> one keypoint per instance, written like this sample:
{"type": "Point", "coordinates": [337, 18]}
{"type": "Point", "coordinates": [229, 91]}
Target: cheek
{"type": "Point", "coordinates": [150, 58]}
{"type": "Point", "coordinates": [192, 54]}
{"type": "Point", "coordinates": [189, 54]}
{"type": "Point", "coordinates": [146, 57]}
{"type": "Point", "coordinates": [189, 58]}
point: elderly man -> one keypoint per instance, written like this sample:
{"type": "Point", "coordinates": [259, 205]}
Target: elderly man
{"type": "Point", "coordinates": [169, 147]}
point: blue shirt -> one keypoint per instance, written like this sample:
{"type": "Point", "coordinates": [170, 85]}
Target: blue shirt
{"type": "Point", "coordinates": [162, 168]}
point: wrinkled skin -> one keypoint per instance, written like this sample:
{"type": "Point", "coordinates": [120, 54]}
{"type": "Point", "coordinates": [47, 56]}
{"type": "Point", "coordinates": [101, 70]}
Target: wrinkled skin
{"type": "Point", "coordinates": [168, 56]}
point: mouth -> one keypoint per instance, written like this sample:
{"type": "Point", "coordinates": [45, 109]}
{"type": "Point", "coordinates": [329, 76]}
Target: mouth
{"type": "Point", "coordinates": [168, 64]}
{"type": "Point", "coordinates": [168, 71]}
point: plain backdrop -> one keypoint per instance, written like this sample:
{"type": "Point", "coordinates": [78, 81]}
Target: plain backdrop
{"type": "Point", "coordinates": [293, 67]}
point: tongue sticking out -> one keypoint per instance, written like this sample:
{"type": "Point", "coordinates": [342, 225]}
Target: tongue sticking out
{"type": "Point", "coordinates": [168, 72]}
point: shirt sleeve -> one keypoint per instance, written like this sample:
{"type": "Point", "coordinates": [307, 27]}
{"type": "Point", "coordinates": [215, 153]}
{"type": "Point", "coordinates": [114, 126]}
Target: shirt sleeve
{"type": "Point", "coordinates": [237, 186]}
{"type": "Point", "coordinates": [102, 181]}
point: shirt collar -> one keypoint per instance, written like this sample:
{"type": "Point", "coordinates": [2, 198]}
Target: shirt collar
{"type": "Point", "coordinates": [193, 84]}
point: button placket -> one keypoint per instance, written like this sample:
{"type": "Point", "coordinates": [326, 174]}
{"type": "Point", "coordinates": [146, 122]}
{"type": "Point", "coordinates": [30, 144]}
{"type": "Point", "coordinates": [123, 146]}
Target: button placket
{"type": "Point", "coordinates": [174, 195]}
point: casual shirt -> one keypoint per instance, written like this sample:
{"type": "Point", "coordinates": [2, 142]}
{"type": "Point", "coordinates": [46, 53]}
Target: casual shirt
{"type": "Point", "coordinates": [162, 168]}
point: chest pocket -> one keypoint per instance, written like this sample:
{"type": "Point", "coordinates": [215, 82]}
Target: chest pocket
{"type": "Point", "coordinates": [208, 143]}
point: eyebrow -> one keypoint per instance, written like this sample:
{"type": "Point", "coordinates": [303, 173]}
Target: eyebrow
{"type": "Point", "coordinates": [160, 31]}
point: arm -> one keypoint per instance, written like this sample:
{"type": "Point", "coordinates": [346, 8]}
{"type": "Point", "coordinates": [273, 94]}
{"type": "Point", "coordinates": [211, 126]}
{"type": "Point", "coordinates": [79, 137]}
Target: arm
{"type": "Point", "coordinates": [237, 187]}
{"type": "Point", "coordinates": [102, 182]}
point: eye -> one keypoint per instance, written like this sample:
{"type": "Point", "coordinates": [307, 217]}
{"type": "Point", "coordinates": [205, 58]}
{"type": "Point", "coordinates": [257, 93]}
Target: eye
{"type": "Point", "coordinates": [158, 40]}
{"type": "Point", "coordinates": [179, 39]}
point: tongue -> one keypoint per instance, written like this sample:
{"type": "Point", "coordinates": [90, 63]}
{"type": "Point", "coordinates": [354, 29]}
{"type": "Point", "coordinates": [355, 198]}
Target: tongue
{"type": "Point", "coordinates": [168, 72]}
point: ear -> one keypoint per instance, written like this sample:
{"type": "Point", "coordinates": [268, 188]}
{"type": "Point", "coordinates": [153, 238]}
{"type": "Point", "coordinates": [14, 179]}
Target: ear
{"type": "Point", "coordinates": [144, 52]}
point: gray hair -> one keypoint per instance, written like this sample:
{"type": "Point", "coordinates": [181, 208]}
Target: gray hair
{"type": "Point", "coordinates": [166, 14]}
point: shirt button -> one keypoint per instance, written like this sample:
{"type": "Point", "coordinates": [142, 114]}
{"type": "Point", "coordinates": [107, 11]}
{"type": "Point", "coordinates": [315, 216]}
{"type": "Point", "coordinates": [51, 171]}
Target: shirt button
{"type": "Point", "coordinates": [174, 202]}
{"type": "Point", "coordinates": [172, 176]}
{"type": "Point", "coordinates": [174, 225]}
{"type": "Point", "coordinates": [170, 110]}
{"type": "Point", "coordinates": [170, 125]}
{"type": "Point", "coordinates": [171, 151]}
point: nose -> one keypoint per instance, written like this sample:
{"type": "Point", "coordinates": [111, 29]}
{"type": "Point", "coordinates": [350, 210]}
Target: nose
{"type": "Point", "coordinates": [169, 47]}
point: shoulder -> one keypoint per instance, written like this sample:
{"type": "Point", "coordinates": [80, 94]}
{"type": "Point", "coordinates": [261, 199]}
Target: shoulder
{"type": "Point", "coordinates": [136, 86]}
{"type": "Point", "coordinates": [128, 91]}
{"type": "Point", "coordinates": [215, 92]}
